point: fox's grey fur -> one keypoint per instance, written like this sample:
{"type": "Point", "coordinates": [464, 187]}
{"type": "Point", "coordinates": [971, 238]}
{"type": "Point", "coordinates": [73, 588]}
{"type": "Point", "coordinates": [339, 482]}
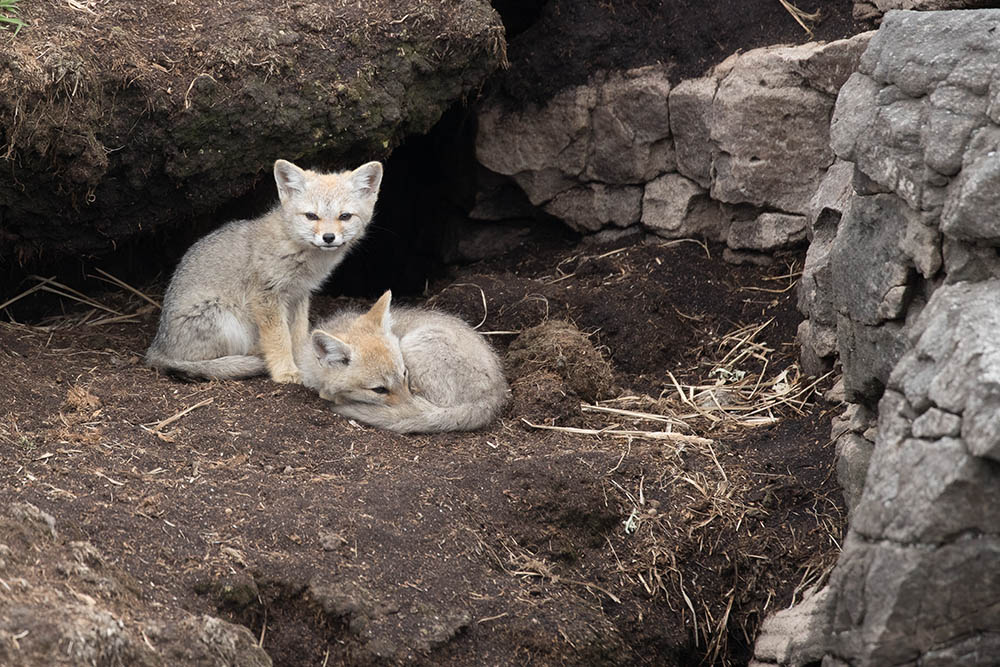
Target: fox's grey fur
{"type": "Point", "coordinates": [238, 303]}
{"type": "Point", "coordinates": [411, 370]}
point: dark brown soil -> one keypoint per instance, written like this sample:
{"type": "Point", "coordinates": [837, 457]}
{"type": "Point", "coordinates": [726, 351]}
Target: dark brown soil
{"type": "Point", "coordinates": [340, 544]}
{"type": "Point", "coordinates": [570, 39]}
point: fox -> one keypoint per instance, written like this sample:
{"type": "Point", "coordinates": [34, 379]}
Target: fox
{"type": "Point", "coordinates": [407, 369]}
{"type": "Point", "coordinates": [238, 303]}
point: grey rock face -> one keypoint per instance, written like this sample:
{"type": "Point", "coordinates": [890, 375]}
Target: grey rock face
{"type": "Point", "coordinates": [917, 582]}
{"type": "Point", "coordinates": [752, 135]}
{"type": "Point", "coordinates": [817, 335]}
{"type": "Point", "coordinates": [631, 129]}
{"type": "Point", "coordinates": [769, 132]}
{"type": "Point", "coordinates": [590, 207]}
{"type": "Point", "coordinates": [915, 121]}
{"type": "Point", "coordinates": [873, 9]}
{"type": "Point", "coordinates": [613, 131]}
{"type": "Point", "coordinates": [674, 206]}
{"type": "Point", "coordinates": [768, 231]}
{"type": "Point", "coordinates": [915, 278]}
{"type": "Point", "coordinates": [854, 433]}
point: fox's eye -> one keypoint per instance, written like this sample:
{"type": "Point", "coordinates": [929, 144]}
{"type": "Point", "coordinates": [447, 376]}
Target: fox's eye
{"type": "Point", "coordinates": [311, 216]}
{"type": "Point", "coordinates": [345, 216]}
{"type": "Point", "coordinates": [380, 390]}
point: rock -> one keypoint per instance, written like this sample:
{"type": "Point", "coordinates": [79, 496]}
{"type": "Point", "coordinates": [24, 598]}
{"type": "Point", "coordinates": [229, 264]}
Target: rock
{"type": "Point", "coordinates": [867, 260]}
{"type": "Point", "coordinates": [545, 149]}
{"type": "Point", "coordinates": [868, 354]}
{"type": "Point", "coordinates": [964, 262]}
{"type": "Point", "coordinates": [746, 257]}
{"type": "Point", "coordinates": [854, 454]}
{"type": "Point", "coordinates": [919, 96]}
{"type": "Point", "coordinates": [676, 207]}
{"type": "Point", "coordinates": [830, 200]}
{"type": "Point", "coordinates": [472, 241]}
{"type": "Point", "coordinates": [793, 636]}
{"type": "Point", "coordinates": [851, 433]}
{"type": "Point", "coordinates": [690, 104]}
{"type": "Point", "coordinates": [770, 128]}
{"type": "Point", "coordinates": [590, 207]}
{"type": "Point", "coordinates": [498, 198]}
{"type": "Point", "coordinates": [817, 346]}
{"type": "Point", "coordinates": [770, 231]}
{"type": "Point", "coordinates": [971, 207]}
{"type": "Point", "coordinates": [817, 334]}
{"type": "Point", "coordinates": [631, 140]}
{"type": "Point", "coordinates": [866, 10]}
{"type": "Point", "coordinates": [754, 133]}
{"type": "Point", "coordinates": [613, 131]}
{"type": "Point", "coordinates": [917, 295]}
{"type": "Point", "coordinates": [124, 140]}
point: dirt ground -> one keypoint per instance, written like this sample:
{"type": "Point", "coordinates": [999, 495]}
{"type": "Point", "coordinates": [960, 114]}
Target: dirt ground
{"type": "Point", "coordinates": [695, 498]}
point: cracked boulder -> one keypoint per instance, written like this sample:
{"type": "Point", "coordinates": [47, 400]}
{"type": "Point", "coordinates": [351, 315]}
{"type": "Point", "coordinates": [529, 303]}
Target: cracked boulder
{"type": "Point", "coordinates": [769, 122]}
{"type": "Point", "coordinates": [584, 155]}
{"type": "Point", "coordinates": [917, 581]}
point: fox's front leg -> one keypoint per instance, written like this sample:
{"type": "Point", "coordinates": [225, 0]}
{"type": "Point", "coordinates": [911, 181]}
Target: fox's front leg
{"type": "Point", "coordinates": [299, 323]}
{"type": "Point", "coordinates": [275, 339]}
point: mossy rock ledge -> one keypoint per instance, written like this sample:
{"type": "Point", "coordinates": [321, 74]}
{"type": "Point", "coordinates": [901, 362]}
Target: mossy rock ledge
{"type": "Point", "coordinates": [121, 119]}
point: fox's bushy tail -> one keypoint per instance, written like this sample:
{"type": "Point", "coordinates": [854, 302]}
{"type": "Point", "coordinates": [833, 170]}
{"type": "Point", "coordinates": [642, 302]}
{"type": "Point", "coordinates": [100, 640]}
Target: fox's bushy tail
{"type": "Point", "coordinates": [230, 367]}
{"type": "Point", "coordinates": [419, 415]}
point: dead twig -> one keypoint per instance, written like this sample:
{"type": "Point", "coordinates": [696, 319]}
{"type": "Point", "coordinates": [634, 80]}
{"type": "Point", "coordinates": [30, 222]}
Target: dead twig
{"type": "Point", "coordinates": [616, 432]}
{"type": "Point", "coordinates": [157, 427]}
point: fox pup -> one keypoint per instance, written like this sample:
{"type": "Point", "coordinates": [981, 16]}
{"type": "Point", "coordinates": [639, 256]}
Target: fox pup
{"type": "Point", "coordinates": [409, 370]}
{"type": "Point", "coordinates": [238, 303]}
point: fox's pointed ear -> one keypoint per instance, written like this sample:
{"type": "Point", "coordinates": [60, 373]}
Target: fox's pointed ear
{"type": "Point", "coordinates": [380, 314]}
{"type": "Point", "coordinates": [367, 179]}
{"type": "Point", "coordinates": [330, 350]}
{"type": "Point", "coordinates": [290, 179]}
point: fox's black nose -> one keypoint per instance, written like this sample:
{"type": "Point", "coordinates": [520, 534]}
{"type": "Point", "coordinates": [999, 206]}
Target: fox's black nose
{"type": "Point", "coordinates": [329, 238]}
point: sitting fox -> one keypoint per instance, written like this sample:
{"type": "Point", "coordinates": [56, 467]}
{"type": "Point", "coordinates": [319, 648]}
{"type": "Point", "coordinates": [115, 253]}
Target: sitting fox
{"type": "Point", "coordinates": [409, 370]}
{"type": "Point", "coordinates": [238, 303]}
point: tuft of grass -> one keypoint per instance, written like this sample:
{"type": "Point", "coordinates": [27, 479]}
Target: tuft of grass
{"type": "Point", "coordinates": [9, 17]}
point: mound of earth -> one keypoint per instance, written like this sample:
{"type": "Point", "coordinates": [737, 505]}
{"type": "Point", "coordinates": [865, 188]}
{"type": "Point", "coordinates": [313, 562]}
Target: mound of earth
{"type": "Point", "coordinates": [121, 119]}
{"type": "Point", "coordinates": [656, 529]}
{"type": "Point", "coordinates": [558, 348]}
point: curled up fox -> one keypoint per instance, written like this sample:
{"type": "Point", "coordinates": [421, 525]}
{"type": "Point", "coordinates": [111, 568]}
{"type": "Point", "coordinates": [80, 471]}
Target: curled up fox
{"type": "Point", "coordinates": [407, 370]}
{"type": "Point", "coordinates": [238, 303]}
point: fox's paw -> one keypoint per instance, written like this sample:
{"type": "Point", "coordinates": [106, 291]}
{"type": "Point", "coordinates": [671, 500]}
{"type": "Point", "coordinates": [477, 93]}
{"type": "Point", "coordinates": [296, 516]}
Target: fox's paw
{"type": "Point", "coordinates": [287, 376]}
